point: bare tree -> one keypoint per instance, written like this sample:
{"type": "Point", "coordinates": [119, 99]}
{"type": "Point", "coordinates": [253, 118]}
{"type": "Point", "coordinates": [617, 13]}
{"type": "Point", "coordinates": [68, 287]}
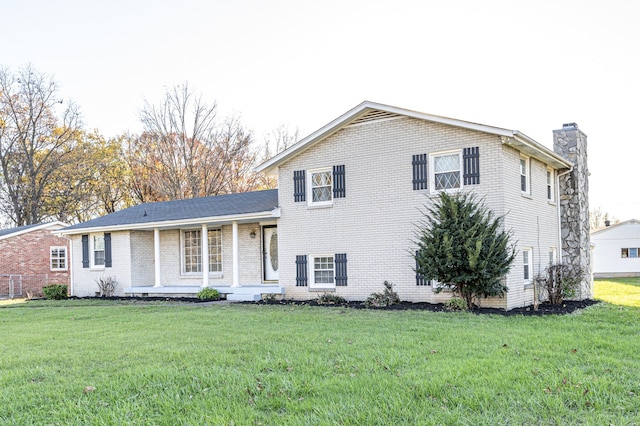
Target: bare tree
{"type": "Point", "coordinates": [185, 152]}
{"type": "Point", "coordinates": [35, 140]}
{"type": "Point", "coordinates": [598, 218]}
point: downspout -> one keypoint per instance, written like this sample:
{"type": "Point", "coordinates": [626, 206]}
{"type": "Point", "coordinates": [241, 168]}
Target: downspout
{"type": "Point", "coordinates": [559, 208]}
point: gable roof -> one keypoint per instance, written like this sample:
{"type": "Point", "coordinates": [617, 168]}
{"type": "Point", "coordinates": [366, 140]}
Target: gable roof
{"type": "Point", "coordinates": [220, 208]}
{"type": "Point", "coordinates": [615, 225]}
{"type": "Point", "coordinates": [13, 232]}
{"type": "Point", "coordinates": [370, 111]}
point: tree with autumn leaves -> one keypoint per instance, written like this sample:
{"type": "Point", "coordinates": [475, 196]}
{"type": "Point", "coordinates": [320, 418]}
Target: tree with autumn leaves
{"type": "Point", "coordinates": [53, 169]}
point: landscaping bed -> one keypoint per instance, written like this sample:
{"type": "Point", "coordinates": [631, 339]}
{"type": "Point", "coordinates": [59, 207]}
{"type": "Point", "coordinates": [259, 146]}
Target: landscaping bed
{"type": "Point", "coordinates": [546, 308]}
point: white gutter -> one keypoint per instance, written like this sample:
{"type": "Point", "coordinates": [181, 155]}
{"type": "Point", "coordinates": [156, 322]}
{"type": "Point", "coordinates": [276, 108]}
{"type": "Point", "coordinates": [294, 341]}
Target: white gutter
{"type": "Point", "coordinates": [175, 223]}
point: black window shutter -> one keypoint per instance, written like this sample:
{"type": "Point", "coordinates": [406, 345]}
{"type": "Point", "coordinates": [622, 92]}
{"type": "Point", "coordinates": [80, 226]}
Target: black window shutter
{"type": "Point", "coordinates": [339, 189]}
{"type": "Point", "coordinates": [299, 186]}
{"type": "Point", "coordinates": [471, 159]}
{"type": "Point", "coordinates": [107, 250]}
{"type": "Point", "coordinates": [85, 251]}
{"type": "Point", "coordinates": [301, 271]}
{"type": "Point", "coordinates": [420, 176]}
{"type": "Point", "coordinates": [340, 261]}
{"type": "Point", "coordinates": [420, 280]}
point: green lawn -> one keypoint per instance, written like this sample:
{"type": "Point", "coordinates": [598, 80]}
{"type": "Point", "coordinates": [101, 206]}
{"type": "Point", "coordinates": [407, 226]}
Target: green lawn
{"type": "Point", "coordinates": [619, 291]}
{"type": "Point", "coordinates": [166, 364]}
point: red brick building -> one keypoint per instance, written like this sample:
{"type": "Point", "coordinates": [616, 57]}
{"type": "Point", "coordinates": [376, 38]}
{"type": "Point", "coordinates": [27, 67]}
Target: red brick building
{"type": "Point", "coordinates": [32, 257]}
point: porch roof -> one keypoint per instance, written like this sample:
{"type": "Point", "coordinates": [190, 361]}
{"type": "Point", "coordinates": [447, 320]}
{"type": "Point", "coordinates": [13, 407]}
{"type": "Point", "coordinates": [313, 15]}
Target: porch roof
{"type": "Point", "coordinates": [245, 206]}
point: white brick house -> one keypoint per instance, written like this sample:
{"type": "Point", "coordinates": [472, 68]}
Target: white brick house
{"type": "Point", "coordinates": [348, 201]}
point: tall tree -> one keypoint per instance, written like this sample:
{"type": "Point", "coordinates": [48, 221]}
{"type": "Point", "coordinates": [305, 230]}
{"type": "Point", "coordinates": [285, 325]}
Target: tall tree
{"type": "Point", "coordinates": [186, 152]}
{"type": "Point", "coordinates": [461, 245]}
{"type": "Point", "coordinates": [37, 133]}
{"type": "Point", "coordinates": [95, 181]}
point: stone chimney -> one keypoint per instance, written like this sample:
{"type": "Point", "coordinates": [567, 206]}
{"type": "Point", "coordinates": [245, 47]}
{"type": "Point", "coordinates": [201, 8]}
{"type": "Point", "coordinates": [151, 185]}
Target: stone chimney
{"type": "Point", "coordinates": [571, 143]}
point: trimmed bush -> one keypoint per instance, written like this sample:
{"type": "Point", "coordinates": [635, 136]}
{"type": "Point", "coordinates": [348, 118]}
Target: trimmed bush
{"type": "Point", "coordinates": [456, 304]}
{"type": "Point", "coordinates": [208, 294]}
{"type": "Point", "coordinates": [55, 291]}
{"type": "Point", "coordinates": [388, 297]}
{"type": "Point", "coordinates": [330, 299]}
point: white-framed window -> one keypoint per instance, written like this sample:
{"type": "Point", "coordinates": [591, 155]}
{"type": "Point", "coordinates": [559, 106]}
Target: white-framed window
{"type": "Point", "coordinates": [97, 250]}
{"type": "Point", "coordinates": [552, 255]}
{"type": "Point", "coordinates": [446, 171]}
{"type": "Point", "coordinates": [58, 258]}
{"type": "Point", "coordinates": [527, 262]}
{"type": "Point", "coordinates": [192, 250]}
{"type": "Point", "coordinates": [323, 271]}
{"type": "Point", "coordinates": [551, 196]}
{"type": "Point", "coordinates": [525, 174]}
{"type": "Point", "coordinates": [320, 186]}
{"type": "Point", "coordinates": [629, 252]}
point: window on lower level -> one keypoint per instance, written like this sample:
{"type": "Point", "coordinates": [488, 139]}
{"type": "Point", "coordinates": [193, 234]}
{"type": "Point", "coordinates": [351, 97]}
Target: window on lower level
{"type": "Point", "coordinates": [527, 261]}
{"type": "Point", "coordinates": [58, 258]}
{"type": "Point", "coordinates": [323, 271]}
{"type": "Point", "coordinates": [192, 250]}
{"type": "Point", "coordinates": [631, 252]}
{"type": "Point", "coordinates": [98, 250]}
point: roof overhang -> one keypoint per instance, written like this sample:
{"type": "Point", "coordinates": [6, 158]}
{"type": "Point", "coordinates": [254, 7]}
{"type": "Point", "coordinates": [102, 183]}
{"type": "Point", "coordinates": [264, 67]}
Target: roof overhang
{"type": "Point", "coordinates": [514, 137]}
{"type": "Point", "coordinates": [54, 226]}
{"type": "Point", "coordinates": [181, 223]}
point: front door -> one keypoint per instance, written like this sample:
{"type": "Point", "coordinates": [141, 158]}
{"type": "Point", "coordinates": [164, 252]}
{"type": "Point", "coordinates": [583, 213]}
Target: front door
{"type": "Point", "coordinates": [270, 251]}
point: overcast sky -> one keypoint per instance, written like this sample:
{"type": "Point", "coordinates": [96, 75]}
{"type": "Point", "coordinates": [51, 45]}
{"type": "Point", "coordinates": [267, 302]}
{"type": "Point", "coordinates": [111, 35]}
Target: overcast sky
{"type": "Point", "coordinates": [524, 65]}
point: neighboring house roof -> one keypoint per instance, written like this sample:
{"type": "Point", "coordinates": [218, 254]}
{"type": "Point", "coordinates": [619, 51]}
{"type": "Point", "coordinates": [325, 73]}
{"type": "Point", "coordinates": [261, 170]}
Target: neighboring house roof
{"type": "Point", "coordinates": [368, 111]}
{"type": "Point", "coordinates": [13, 232]}
{"type": "Point", "coordinates": [240, 206]}
{"type": "Point", "coordinates": [614, 226]}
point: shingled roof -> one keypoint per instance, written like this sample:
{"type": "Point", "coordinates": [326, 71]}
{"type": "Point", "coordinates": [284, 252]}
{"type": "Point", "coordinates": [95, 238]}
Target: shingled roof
{"type": "Point", "coordinates": [12, 232]}
{"type": "Point", "coordinates": [228, 205]}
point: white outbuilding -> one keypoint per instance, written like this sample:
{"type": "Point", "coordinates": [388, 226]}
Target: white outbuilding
{"type": "Point", "coordinates": [616, 250]}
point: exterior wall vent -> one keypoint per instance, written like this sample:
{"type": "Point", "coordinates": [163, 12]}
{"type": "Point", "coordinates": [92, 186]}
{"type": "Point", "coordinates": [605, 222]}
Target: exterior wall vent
{"type": "Point", "coordinates": [375, 115]}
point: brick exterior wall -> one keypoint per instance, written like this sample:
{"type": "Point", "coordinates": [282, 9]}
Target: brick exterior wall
{"type": "Point", "coordinates": [375, 223]}
{"type": "Point", "coordinates": [28, 255]}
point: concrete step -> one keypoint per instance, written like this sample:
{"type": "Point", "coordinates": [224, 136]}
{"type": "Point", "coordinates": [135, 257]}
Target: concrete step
{"type": "Point", "coordinates": [244, 297]}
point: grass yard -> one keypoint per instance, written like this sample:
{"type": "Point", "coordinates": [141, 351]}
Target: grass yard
{"type": "Point", "coordinates": [103, 363]}
{"type": "Point", "coordinates": [619, 291]}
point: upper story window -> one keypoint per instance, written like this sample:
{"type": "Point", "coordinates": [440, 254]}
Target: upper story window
{"type": "Point", "coordinates": [550, 186]}
{"type": "Point", "coordinates": [524, 175]}
{"type": "Point", "coordinates": [58, 258]}
{"type": "Point", "coordinates": [321, 186]}
{"type": "Point", "coordinates": [446, 171]}
{"type": "Point", "coordinates": [192, 250]}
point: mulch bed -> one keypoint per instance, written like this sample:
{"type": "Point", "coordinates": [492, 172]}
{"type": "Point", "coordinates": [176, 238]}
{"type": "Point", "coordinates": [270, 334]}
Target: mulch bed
{"type": "Point", "coordinates": [567, 307]}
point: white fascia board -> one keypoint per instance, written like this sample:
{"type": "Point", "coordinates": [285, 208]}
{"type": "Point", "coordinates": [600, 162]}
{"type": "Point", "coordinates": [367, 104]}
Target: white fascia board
{"type": "Point", "coordinates": [57, 224]}
{"type": "Point", "coordinates": [174, 224]}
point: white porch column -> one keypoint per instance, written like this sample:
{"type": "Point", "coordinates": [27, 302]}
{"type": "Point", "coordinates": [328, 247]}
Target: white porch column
{"type": "Point", "coordinates": [236, 262]}
{"type": "Point", "coordinates": [204, 243]}
{"type": "Point", "coordinates": [156, 256]}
